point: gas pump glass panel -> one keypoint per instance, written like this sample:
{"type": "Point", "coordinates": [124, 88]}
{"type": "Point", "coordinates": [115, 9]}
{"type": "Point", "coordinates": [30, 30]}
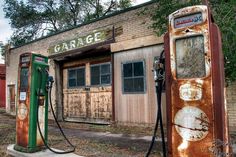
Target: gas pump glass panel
{"type": "Point", "coordinates": [190, 57]}
{"type": "Point", "coordinates": [24, 74]}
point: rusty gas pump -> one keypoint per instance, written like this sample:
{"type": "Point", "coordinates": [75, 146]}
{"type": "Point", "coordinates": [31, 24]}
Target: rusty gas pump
{"type": "Point", "coordinates": [34, 90]}
{"type": "Point", "coordinates": [197, 122]}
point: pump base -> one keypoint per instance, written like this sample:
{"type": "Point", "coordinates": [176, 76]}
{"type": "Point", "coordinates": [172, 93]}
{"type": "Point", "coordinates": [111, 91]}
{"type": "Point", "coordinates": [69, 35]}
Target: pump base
{"type": "Point", "coordinates": [43, 153]}
{"type": "Point", "coordinates": [28, 149]}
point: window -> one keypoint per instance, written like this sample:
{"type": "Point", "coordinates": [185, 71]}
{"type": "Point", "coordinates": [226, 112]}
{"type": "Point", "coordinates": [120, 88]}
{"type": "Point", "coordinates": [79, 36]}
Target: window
{"type": "Point", "coordinates": [76, 77]}
{"type": "Point", "coordinates": [133, 77]}
{"type": "Point", "coordinates": [101, 74]}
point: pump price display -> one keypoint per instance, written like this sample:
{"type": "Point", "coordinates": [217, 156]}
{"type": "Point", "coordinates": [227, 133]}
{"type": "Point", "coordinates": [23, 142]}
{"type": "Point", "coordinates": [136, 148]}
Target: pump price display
{"type": "Point", "coordinates": [190, 57]}
{"type": "Point", "coordinates": [25, 59]}
{"type": "Point", "coordinates": [189, 20]}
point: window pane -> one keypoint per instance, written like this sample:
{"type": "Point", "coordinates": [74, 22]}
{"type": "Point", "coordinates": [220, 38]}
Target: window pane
{"type": "Point", "coordinates": [95, 75]}
{"type": "Point", "coordinates": [128, 85]}
{"type": "Point", "coordinates": [138, 69]}
{"type": "Point", "coordinates": [72, 82]}
{"type": "Point", "coordinates": [81, 77]}
{"type": "Point", "coordinates": [72, 73]}
{"type": "Point", "coordinates": [138, 84]}
{"type": "Point", "coordinates": [105, 79]}
{"type": "Point", "coordinates": [127, 70]}
{"type": "Point", "coordinates": [72, 78]}
{"type": "Point", "coordinates": [105, 69]}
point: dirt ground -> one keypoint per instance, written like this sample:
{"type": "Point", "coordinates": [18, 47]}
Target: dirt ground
{"type": "Point", "coordinates": [90, 140]}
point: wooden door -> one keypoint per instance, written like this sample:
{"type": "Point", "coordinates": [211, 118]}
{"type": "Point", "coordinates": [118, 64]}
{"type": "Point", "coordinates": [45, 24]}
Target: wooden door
{"type": "Point", "coordinates": [93, 105]}
{"type": "Point", "coordinates": [12, 95]}
{"type": "Point", "coordinates": [2, 93]}
{"type": "Point", "coordinates": [91, 101]}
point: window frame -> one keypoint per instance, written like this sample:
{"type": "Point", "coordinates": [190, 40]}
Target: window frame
{"type": "Point", "coordinates": [144, 76]}
{"type": "Point", "coordinates": [76, 68]}
{"type": "Point", "coordinates": [100, 64]}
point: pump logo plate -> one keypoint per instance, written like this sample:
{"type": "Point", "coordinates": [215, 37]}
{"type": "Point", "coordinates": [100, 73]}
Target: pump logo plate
{"type": "Point", "coordinates": [22, 111]}
{"type": "Point", "coordinates": [188, 20]}
{"type": "Point", "coordinates": [191, 123]}
{"type": "Point", "coordinates": [190, 92]}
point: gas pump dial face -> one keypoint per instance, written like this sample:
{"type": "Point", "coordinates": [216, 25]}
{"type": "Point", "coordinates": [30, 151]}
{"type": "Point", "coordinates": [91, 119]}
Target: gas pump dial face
{"type": "Point", "coordinates": [191, 123]}
{"type": "Point", "coordinates": [22, 111]}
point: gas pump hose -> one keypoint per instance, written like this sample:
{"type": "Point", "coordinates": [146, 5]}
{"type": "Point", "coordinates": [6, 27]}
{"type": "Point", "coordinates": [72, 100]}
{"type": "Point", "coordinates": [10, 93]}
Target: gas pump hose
{"type": "Point", "coordinates": [40, 131]}
{"type": "Point", "coordinates": [159, 85]}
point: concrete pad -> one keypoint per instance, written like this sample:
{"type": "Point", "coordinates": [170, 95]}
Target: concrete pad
{"type": "Point", "coordinates": [234, 149]}
{"type": "Point", "coordinates": [44, 153]}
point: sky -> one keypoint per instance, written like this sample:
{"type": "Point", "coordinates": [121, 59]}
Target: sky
{"type": "Point", "coordinates": [5, 28]}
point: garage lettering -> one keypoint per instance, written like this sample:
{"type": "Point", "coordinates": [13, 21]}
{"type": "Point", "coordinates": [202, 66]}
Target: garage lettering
{"type": "Point", "coordinates": [79, 42]}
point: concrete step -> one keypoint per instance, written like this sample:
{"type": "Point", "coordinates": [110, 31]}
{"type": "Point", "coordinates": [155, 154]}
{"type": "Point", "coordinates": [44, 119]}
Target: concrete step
{"type": "Point", "coordinates": [44, 153]}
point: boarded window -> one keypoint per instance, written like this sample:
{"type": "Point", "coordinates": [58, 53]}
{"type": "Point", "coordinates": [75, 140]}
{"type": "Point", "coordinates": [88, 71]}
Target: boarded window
{"type": "Point", "coordinates": [101, 74]}
{"type": "Point", "coordinates": [76, 77]}
{"type": "Point", "coordinates": [133, 77]}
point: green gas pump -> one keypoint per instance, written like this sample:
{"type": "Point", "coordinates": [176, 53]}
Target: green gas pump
{"type": "Point", "coordinates": [32, 103]}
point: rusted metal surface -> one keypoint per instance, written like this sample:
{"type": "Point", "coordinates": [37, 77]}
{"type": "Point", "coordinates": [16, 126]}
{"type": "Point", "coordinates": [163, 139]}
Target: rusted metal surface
{"type": "Point", "coordinates": [94, 105]}
{"type": "Point", "coordinates": [195, 102]}
{"type": "Point", "coordinates": [22, 118]}
{"type": "Point", "coordinates": [220, 109]}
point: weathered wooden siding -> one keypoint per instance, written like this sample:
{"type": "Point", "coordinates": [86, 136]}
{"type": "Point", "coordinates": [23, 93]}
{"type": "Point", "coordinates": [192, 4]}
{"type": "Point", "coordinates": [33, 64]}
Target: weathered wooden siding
{"type": "Point", "coordinates": [136, 108]}
{"type": "Point", "coordinates": [93, 104]}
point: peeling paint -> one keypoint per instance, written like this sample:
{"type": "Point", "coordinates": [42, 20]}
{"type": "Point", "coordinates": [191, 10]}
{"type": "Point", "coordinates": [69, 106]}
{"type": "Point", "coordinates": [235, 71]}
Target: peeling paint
{"type": "Point", "coordinates": [190, 92]}
{"type": "Point", "coordinates": [93, 104]}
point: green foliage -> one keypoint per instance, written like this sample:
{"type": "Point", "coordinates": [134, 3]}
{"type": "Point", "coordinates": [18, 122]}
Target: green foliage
{"type": "Point", "coordinates": [32, 19]}
{"type": "Point", "coordinates": [224, 14]}
{"type": "Point", "coordinates": [2, 49]}
{"type": "Point", "coordinates": [124, 4]}
{"type": "Point", "coordinates": [164, 9]}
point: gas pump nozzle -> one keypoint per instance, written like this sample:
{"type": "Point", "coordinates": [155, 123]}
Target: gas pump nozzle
{"type": "Point", "coordinates": [50, 82]}
{"type": "Point", "coordinates": [159, 69]}
{"type": "Point", "coordinates": [40, 93]}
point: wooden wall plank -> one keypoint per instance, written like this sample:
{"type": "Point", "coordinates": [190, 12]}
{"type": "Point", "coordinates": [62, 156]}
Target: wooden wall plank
{"type": "Point", "coordinates": [137, 108]}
